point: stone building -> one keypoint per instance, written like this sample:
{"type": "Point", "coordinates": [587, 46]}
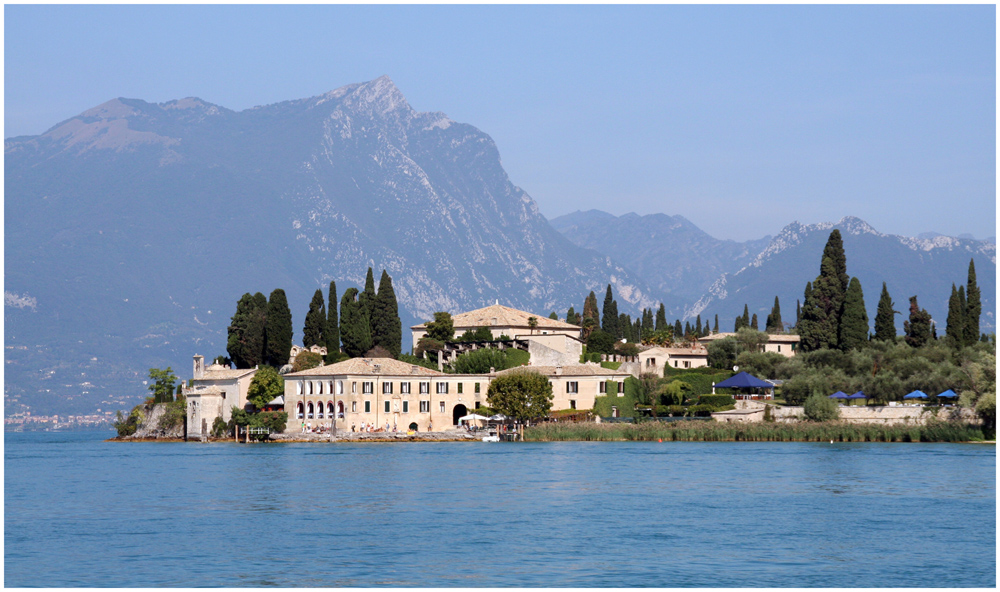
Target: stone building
{"type": "Point", "coordinates": [653, 360]}
{"type": "Point", "coordinates": [782, 343]}
{"type": "Point", "coordinates": [383, 391]}
{"type": "Point", "coordinates": [213, 392]}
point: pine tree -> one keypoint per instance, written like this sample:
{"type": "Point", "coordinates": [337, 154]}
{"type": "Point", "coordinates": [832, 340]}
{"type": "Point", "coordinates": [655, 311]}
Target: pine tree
{"type": "Point", "coordinates": [854, 321]}
{"type": "Point", "coordinates": [774, 324]}
{"type": "Point", "coordinates": [278, 330]}
{"type": "Point", "coordinates": [312, 330]}
{"type": "Point", "coordinates": [355, 329]}
{"type": "Point", "coordinates": [387, 330]}
{"type": "Point", "coordinates": [661, 318]}
{"type": "Point", "coordinates": [885, 318]}
{"type": "Point", "coordinates": [610, 315]}
{"type": "Point", "coordinates": [973, 306]}
{"type": "Point", "coordinates": [956, 327]}
{"type": "Point", "coordinates": [332, 334]}
{"type": "Point", "coordinates": [918, 328]}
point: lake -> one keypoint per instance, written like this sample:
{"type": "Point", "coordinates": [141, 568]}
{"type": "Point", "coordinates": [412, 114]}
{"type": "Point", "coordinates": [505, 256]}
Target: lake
{"type": "Point", "coordinates": [83, 512]}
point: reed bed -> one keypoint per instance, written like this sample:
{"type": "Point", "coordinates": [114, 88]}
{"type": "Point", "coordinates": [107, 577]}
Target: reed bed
{"type": "Point", "coordinates": [710, 431]}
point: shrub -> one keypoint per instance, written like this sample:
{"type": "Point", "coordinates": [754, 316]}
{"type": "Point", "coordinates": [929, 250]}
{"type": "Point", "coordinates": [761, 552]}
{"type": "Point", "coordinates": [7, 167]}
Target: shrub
{"type": "Point", "coordinates": [600, 342]}
{"type": "Point", "coordinates": [219, 427]}
{"type": "Point", "coordinates": [306, 360]}
{"type": "Point", "coordinates": [126, 426]}
{"type": "Point", "coordinates": [715, 400]}
{"type": "Point", "coordinates": [626, 349]}
{"type": "Point", "coordinates": [173, 414]}
{"type": "Point", "coordinates": [821, 408]}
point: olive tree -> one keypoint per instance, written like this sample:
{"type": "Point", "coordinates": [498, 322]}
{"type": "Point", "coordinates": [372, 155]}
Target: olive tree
{"type": "Point", "coordinates": [521, 394]}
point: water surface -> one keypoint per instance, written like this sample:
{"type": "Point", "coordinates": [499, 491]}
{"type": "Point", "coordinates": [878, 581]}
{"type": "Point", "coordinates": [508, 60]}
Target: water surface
{"type": "Point", "coordinates": [82, 512]}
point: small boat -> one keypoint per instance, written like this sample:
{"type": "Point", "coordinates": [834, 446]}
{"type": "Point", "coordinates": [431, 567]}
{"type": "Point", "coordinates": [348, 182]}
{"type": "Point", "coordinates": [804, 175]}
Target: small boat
{"type": "Point", "coordinates": [491, 438]}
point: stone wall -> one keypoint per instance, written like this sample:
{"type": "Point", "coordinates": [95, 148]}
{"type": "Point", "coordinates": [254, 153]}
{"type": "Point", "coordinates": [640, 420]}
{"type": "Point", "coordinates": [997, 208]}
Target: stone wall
{"type": "Point", "coordinates": [858, 414]}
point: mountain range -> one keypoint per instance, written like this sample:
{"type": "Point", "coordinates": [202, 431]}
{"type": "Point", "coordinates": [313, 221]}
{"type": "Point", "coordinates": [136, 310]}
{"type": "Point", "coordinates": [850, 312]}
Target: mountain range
{"type": "Point", "coordinates": [133, 228]}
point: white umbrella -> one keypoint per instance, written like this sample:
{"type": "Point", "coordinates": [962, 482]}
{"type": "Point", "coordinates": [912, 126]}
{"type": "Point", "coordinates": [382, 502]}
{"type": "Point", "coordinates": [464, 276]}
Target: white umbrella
{"type": "Point", "coordinates": [472, 416]}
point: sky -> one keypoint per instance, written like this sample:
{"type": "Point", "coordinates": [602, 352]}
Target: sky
{"type": "Point", "coordinates": [742, 119]}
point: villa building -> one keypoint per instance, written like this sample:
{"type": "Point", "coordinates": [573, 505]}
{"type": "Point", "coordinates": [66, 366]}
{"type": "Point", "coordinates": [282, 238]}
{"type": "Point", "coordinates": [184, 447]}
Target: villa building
{"type": "Point", "coordinates": [655, 359]}
{"type": "Point", "coordinates": [781, 343]}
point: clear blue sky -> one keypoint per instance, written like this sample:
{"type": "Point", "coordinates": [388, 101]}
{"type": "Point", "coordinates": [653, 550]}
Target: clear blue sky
{"type": "Point", "coordinates": [740, 118]}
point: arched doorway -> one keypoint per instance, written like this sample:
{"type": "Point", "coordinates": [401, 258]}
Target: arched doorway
{"type": "Point", "coordinates": [460, 411]}
{"type": "Point", "coordinates": [413, 426]}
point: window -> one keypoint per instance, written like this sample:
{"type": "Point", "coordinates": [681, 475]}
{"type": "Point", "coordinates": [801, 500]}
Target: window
{"type": "Point", "coordinates": [298, 387]}
{"type": "Point", "coordinates": [572, 387]}
{"type": "Point", "coordinates": [368, 406]}
{"type": "Point", "coordinates": [687, 364]}
{"type": "Point", "coordinates": [404, 388]}
{"type": "Point", "coordinates": [614, 411]}
{"type": "Point", "coordinates": [367, 388]}
{"type": "Point", "coordinates": [387, 409]}
{"type": "Point", "coordinates": [354, 406]}
{"type": "Point", "coordinates": [340, 387]}
{"type": "Point", "coordinates": [675, 363]}
{"type": "Point", "coordinates": [477, 404]}
{"type": "Point", "coordinates": [441, 406]}
{"type": "Point", "coordinates": [406, 406]}
{"type": "Point", "coordinates": [460, 388]}
{"type": "Point", "coordinates": [572, 404]}
{"type": "Point", "coordinates": [477, 388]}
{"type": "Point", "coordinates": [779, 349]}
{"type": "Point", "coordinates": [354, 387]}
{"type": "Point", "coordinates": [602, 388]}
{"type": "Point", "coordinates": [319, 411]}
{"type": "Point", "coordinates": [425, 406]}
{"type": "Point", "coordinates": [442, 388]}
{"type": "Point", "coordinates": [386, 388]}
{"type": "Point", "coordinates": [425, 388]}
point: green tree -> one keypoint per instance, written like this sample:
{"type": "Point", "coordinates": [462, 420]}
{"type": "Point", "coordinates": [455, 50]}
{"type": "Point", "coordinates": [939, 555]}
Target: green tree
{"type": "Point", "coordinates": [821, 408]}
{"type": "Point", "coordinates": [722, 352]}
{"type": "Point", "coordinates": [678, 330]}
{"type": "Point", "coordinates": [591, 317]}
{"type": "Point", "coordinates": [854, 321]}
{"type": "Point", "coordinates": [885, 317]}
{"type": "Point", "coordinates": [315, 324]}
{"type": "Point", "coordinates": [478, 334]}
{"type": "Point", "coordinates": [265, 386]}
{"type": "Point", "coordinates": [774, 324]}
{"type": "Point", "coordinates": [442, 328]}
{"type": "Point", "coordinates": [245, 342]}
{"type": "Point", "coordinates": [387, 330]}
{"type": "Point", "coordinates": [715, 326]}
{"type": "Point", "coordinates": [825, 304]}
{"type": "Point", "coordinates": [367, 297]}
{"type": "Point", "coordinates": [332, 334]}
{"type": "Point", "coordinates": [610, 315]}
{"type": "Point", "coordinates": [973, 306]}
{"type": "Point", "coordinates": [661, 319]}
{"type": "Point", "coordinates": [480, 361]}
{"type": "Point", "coordinates": [600, 342]}
{"type": "Point", "coordinates": [163, 384]}
{"type": "Point", "coordinates": [647, 320]}
{"type": "Point", "coordinates": [532, 324]}
{"type": "Point", "coordinates": [355, 330]}
{"type": "Point", "coordinates": [521, 393]}
{"type": "Point", "coordinates": [554, 315]}
{"type": "Point", "coordinates": [918, 328]}
{"type": "Point", "coordinates": [306, 360]}
{"type": "Point", "coordinates": [750, 339]}
{"type": "Point", "coordinates": [278, 330]}
{"type": "Point", "coordinates": [571, 317]}
{"type": "Point", "coordinates": [697, 325]}
{"type": "Point", "coordinates": [753, 323]}
{"type": "Point", "coordinates": [955, 330]}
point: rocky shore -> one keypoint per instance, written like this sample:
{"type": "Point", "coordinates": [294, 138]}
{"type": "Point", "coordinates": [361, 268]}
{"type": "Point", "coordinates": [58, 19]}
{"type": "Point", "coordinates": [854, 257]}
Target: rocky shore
{"type": "Point", "coordinates": [341, 436]}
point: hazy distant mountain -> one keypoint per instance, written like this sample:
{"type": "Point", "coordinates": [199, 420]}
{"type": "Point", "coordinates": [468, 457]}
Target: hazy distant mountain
{"type": "Point", "coordinates": [925, 268]}
{"type": "Point", "coordinates": [964, 235]}
{"type": "Point", "coordinates": [675, 257]}
{"type": "Point", "coordinates": [133, 229]}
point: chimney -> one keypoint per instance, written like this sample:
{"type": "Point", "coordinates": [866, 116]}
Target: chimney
{"type": "Point", "coordinates": [413, 369]}
{"type": "Point", "coordinates": [493, 370]}
{"type": "Point", "coordinates": [558, 370]}
{"type": "Point", "coordinates": [199, 367]}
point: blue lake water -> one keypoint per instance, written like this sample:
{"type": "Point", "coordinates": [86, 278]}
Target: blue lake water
{"type": "Point", "coordinates": [83, 512]}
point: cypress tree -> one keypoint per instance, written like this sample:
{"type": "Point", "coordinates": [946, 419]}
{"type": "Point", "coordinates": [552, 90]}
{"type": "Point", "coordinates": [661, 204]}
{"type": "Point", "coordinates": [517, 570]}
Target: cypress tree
{"type": "Point", "coordinates": [753, 323]}
{"type": "Point", "coordinates": [715, 327]}
{"type": "Point", "coordinates": [625, 327]}
{"type": "Point", "coordinates": [571, 317]}
{"type": "Point", "coordinates": [312, 330]}
{"type": "Point", "coordinates": [278, 330]}
{"type": "Point", "coordinates": [259, 337]}
{"type": "Point", "coordinates": [647, 319]}
{"type": "Point", "coordinates": [678, 330]}
{"type": "Point", "coordinates": [661, 319]}
{"type": "Point", "coordinates": [774, 324]}
{"type": "Point", "coordinates": [697, 325]}
{"type": "Point", "coordinates": [885, 319]}
{"type": "Point", "coordinates": [355, 329]}
{"type": "Point", "coordinates": [746, 316]}
{"type": "Point", "coordinates": [367, 298]}
{"type": "Point", "coordinates": [610, 315]}
{"type": "Point", "coordinates": [956, 319]}
{"type": "Point", "coordinates": [387, 330]}
{"type": "Point", "coordinates": [554, 315]}
{"type": "Point", "coordinates": [332, 334]}
{"type": "Point", "coordinates": [973, 306]}
{"type": "Point", "coordinates": [854, 321]}
{"type": "Point", "coordinates": [245, 340]}
{"type": "Point", "coordinates": [687, 328]}
{"type": "Point", "coordinates": [637, 331]}
{"type": "Point", "coordinates": [798, 310]}
{"type": "Point", "coordinates": [591, 318]}
{"type": "Point", "coordinates": [738, 324]}
{"type": "Point", "coordinates": [918, 328]}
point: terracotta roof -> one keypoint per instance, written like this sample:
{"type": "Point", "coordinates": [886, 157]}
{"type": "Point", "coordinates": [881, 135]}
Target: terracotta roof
{"type": "Point", "coordinates": [505, 317]}
{"type": "Point", "coordinates": [568, 370]}
{"type": "Point", "coordinates": [217, 372]}
{"type": "Point", "coordinates": [386, 366]}
{"type": "Point", "coordinates": [676, 351]}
